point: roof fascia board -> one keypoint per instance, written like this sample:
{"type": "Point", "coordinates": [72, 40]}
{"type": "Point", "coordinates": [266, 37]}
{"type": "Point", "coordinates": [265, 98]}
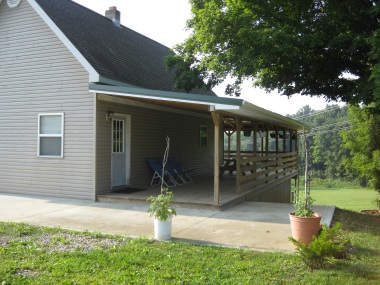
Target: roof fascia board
{"type": "Point", "coordinates": [164, 95]}
{"type": "Point", "coordinates": [93, 74]}
{"type": "Point", "coordinates": [251, 108]}
{"type": "Point", "coordinates": [221, 107]}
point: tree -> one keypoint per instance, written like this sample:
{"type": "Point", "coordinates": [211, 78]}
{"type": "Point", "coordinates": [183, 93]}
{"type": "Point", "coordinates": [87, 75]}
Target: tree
{"type": "Point", "coordinates": [323, 140]}
{"type": "Point", "coordinates": [299, 46]}
{"type": "Point", "coordinates": [363, 142]}
{"type": "Point", "coordinates": [326, 149]}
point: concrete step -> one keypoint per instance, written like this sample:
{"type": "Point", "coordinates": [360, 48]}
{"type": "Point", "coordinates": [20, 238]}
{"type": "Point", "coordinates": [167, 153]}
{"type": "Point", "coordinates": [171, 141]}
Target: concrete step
{"type": "Point", "coordinates": [328, 215]}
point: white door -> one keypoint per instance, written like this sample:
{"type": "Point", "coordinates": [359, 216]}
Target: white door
{"type": "Point", "coordinates": [119, 152]}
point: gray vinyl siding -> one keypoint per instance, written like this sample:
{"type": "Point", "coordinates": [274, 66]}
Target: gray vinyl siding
{"type": "Point", "coordinates": [149, 128]}
{"type": "Point", "coordinates": [39, 75]}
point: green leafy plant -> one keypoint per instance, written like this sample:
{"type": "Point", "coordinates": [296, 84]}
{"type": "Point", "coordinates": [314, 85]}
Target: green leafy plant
{"type": "Point", "coordinates": [328, 244]}
{"type": "Point", "coordinates": [160, 206]}
{"type": "Point", "coordinates": [303, 205]}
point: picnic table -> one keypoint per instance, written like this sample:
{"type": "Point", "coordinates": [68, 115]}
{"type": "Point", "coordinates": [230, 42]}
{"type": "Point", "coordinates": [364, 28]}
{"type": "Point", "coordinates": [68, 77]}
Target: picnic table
{"type": "Point", "coordinates": [229, 165]}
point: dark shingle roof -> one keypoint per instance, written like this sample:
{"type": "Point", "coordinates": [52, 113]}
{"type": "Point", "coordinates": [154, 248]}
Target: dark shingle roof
{"type": "Point", "coordinates": [119, 54]}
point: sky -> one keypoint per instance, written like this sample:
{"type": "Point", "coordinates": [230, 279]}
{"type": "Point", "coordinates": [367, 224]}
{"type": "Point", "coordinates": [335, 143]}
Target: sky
{"type": "Point", "coordinates": [164, 21]}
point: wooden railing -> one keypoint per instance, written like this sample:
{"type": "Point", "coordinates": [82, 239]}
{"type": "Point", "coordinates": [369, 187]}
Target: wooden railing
{"type": "Point", "coordinates": [258, 170]}
{"type": "Point", "coordinates": [232, 153]}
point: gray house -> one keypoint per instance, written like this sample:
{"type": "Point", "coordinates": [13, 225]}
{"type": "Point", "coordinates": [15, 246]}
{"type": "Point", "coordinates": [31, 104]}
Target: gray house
{"type": "Point", "coordinates": [84, 101]}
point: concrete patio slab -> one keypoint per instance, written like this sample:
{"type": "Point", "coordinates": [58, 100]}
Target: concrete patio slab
{"type": "Point", "coordinates": [251, 225]}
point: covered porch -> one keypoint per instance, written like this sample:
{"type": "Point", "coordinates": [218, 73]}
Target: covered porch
{"type": "Point", "coordinates": [271, 159]}
{"type": "Point", "coordinates": [238, 173]}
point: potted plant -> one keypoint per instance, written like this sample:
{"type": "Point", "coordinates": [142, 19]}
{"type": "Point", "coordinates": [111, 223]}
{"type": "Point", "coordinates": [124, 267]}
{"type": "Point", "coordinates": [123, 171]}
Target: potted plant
{"type": "Point", "coordinates": [161, 208]}
{"type": "Point", "coordinates": [304, 222]}
{"type": "Point", "coordinates": [162, 211]}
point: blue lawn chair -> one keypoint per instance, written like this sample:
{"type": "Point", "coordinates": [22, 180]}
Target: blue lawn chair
{"type": "Point", "coordinates": [159, 175]}
{"type": "Point", "coordinates": [177, 177]}
{"type": "Point", "coordinates": [179, 169]}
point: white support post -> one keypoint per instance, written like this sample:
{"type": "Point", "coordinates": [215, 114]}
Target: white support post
{"type": "Point", "coordinates": [217, 130]}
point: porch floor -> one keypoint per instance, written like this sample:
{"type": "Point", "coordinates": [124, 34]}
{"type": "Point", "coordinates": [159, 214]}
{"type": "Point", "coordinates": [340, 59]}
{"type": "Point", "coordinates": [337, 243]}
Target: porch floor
{"type": "Point", "coordinates": [199, 194]}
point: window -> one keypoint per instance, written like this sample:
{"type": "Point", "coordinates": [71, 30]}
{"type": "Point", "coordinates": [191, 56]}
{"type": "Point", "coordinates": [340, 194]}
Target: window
{"type": "Point", "coordinates": [203, 135]}
{"type": "Point", "coordinates": [118, 136]}
{"type": "Point", "coordinates": [50, 135]}
{"type": "Point", "coordinates": [13, 3]}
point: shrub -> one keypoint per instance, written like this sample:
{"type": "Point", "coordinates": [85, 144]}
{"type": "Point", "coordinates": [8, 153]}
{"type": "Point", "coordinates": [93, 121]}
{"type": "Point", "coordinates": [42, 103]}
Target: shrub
{"type": "Point", "coordinates": [329, 243]}
{"type": "Point", "coordinates": [335, 183]}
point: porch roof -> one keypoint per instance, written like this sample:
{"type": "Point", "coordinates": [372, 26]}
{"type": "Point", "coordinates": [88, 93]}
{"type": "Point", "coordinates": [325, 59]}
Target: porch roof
{"type": "Point", "coordinates": [192, 102]}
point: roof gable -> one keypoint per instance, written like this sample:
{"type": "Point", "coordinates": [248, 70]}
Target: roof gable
{"type": "Point", "coordinates": [118, 54]}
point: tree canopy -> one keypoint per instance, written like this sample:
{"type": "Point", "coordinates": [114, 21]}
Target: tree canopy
{"type": "Point", "coordinates": [363, 142]}
{"type": "Point", "coordinates": [328, 48]}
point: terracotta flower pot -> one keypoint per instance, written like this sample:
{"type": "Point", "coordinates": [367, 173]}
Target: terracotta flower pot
{"type": "Point", "coordinates": [304, 228]}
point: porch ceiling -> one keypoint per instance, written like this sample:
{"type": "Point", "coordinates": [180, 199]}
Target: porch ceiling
{"type": "Point", "coordinates": [229, 107]}
{"type": "Point", "coordinates": [198, 108]}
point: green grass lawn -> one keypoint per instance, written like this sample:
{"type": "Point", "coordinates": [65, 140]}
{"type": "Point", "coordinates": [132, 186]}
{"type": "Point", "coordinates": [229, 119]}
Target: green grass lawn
{"type": "Point", "coordinates": [37, 255]}
{"type": "Point", "coordinates": [350, 199]}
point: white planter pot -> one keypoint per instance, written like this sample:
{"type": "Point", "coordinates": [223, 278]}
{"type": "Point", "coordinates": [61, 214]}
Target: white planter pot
{"type": "Point", "coordinates": [163, 229]}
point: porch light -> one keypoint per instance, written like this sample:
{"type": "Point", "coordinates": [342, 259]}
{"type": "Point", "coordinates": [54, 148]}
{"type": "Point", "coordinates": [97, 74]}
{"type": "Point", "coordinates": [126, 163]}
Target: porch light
{"type": "Point", "coordinates": [110, 115]}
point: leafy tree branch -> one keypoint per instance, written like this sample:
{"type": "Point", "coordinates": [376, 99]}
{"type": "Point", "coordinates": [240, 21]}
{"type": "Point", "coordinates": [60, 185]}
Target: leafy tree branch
{"type": "Point", "coordinates": [300, 46]}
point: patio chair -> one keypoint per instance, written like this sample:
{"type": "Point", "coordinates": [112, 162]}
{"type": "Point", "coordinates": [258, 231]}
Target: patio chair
{"type": "Point", "coordinates": [177, 177]}
{"type": "Point", "coordinates": [159, 175]}
{"type": "Point", "coordinates": [180, 169]}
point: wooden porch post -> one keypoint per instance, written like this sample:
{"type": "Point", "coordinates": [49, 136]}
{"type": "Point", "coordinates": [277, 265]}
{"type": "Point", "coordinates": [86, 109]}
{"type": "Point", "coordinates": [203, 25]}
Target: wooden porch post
{"type": "Point", "coordinates": [277, 134]}
{"type": "Point", "coordinates": [290, 141]}
{"type": "Point", "coordinates": [254, 138]}
{"type": "Point", "coordinates": [255, 130]}
{"type": "Point", "coordinates": [267, 141]}
{"type": "Point", "coordinates": [267, 147]}
{"type": "Point", "coordinates": [229, 134]}
{"type": "Point", "coordinates": [238, 154]}
{"type": "Point", "coordinates": [216, 117]}
{"type": "Point", "coordinates": [229, 145]}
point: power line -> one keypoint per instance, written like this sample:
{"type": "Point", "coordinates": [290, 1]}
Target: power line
{"type": "Point", "coordinates": [330, 125]}
{"type": "Point", "coordinates": [328, 132]}
{"type": "Point", "coordinates": [301, 117]}
{"type": "Point", "coordinates": [324, 130]}
{"type": "Point", "coordinates": [307, 116]}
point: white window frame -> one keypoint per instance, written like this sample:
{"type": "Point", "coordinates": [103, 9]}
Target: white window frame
{"type": "Point", "coordinates": [50, 135]}
{"type": "Point", "coordinates": [203, 135]}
